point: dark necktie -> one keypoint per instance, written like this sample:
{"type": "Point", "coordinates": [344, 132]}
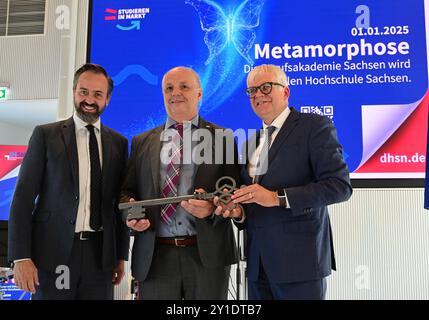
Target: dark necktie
{"type": "Point", "coordinates": [172, 177]}
{"type": "Point", "coordinates": [264, 157]}
{"type": "Point", "coordinates": [94, 156]}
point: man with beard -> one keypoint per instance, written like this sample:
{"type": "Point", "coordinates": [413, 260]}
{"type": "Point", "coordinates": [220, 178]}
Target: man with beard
{"type": "Point", "coordinates": [66, 237]}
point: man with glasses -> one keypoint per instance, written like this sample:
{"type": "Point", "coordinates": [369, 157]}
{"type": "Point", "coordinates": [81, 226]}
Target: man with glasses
{"type": "Point", "coordinates": [289, 240]}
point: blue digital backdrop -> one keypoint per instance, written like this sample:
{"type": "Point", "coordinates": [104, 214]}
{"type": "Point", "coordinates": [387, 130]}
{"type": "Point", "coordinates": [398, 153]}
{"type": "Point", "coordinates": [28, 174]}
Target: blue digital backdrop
{"type": "Point", "coordinates": [324, 47]}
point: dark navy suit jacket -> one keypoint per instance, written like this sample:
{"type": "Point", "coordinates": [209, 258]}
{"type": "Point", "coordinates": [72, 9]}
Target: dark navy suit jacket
{"type": "Point", "coordinates": [296, 244]}
{"type": "Point", "coordinates": [46, 199]}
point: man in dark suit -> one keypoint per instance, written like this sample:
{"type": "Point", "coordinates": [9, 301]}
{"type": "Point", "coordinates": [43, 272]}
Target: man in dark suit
{"type": "Point", "coordinates": [184, 251]}
{"type": "Point", "coordinates": [289, 186]}
{"type": "Point", "coordinates": [66, 237]}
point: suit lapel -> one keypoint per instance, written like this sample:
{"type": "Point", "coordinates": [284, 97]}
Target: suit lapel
{"type": "Point", "coordinates": [206, 125]}
{"type": "Point", "coordinates": [285, 130]}
{"type": "Point", "coordinates": [288, 126]}
{"type": "Point", "coordinates": [155, 152]}
{"type": "Point", "coordinates": [247, 180]}
{"type": "Point", "coordinates": [106, 142]}
{"type": "Point", "coordinates": [69, 138]}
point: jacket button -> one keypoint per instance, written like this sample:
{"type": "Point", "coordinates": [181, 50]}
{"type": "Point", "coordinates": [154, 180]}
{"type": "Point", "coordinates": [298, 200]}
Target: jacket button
{"type": "Point", "coordinates": [76, 197]}
{"type": "Point", "coordinates": [72, 222]}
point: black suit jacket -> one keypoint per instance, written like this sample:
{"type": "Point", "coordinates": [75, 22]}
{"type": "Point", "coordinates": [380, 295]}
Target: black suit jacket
{"type": "Point", "coordinates": [296, 244]}
{"type": "Point", "coordinates": [216, 242]}
{"type": "Point", "coordinates": [45, 203]}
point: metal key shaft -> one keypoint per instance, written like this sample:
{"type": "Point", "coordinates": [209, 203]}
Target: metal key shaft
{"type": "Point", "coordinates": [164, 201]}
{"type": "Point", "coordinates": [136, 209]}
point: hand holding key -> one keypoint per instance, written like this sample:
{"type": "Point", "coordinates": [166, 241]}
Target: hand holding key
{"type": "Point", "coordinates": [198, 208]}
{"type": "Point", "coordinates": [227, 211]}
{"type": "Point", "coordinates": [139, 224]}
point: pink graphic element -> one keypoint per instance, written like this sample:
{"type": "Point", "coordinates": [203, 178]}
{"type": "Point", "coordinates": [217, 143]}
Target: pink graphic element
{"type": "Point", "coordinates": [10, 158]}
{"type": "Point", "coordinates": [112, 11]}
{"type": "Point", "coordinates": [379, 122]}
{"type": "Point", "coordinates": [400, 148]}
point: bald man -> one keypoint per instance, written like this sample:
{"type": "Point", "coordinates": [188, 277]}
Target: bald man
{"type": "Point", "coordinates": [183, 251]}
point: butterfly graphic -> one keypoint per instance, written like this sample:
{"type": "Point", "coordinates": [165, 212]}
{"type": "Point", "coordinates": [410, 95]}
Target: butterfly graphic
{"type": "Point", "coordinates": [222, 29]}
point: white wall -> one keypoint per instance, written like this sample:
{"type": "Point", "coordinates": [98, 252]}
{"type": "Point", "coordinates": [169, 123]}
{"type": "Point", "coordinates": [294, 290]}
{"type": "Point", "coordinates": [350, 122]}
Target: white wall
{"type": "Point", "coordinates": [381, 239]}
{"type": "Point", "coordinates": [31, 64]}
{"type": "Point", "coordinates": [20, 135]}
{"type": "Point", "coordinates": [39, 69]}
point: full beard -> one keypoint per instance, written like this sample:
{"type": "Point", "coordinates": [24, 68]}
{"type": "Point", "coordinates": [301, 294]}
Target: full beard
{"type": "Point", "coordinates": [87, 117]}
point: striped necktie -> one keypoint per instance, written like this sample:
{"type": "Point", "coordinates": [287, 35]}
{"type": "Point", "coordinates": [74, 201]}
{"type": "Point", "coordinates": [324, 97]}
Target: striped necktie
{"type": "Point", "coordinates": [172, 177]}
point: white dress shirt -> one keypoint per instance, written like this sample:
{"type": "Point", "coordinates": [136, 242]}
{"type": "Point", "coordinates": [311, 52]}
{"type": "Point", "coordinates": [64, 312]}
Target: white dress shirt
{"type": "Point", "coordinates": [255, 158]}
{"type": "Point", "coordinates": [82, 141]}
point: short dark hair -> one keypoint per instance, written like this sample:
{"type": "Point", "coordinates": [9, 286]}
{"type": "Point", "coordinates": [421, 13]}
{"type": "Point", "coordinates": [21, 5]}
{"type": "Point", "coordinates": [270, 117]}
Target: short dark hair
{"type": "Point", "coordinates": [97, 69]}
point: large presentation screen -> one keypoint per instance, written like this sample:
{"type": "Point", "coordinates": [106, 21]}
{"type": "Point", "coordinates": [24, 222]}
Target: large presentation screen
{"type": "Point", "coordinates": [363, 65]}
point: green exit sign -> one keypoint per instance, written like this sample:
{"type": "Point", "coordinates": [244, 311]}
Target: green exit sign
{"type": "Point", "coordinates": [3, 93]}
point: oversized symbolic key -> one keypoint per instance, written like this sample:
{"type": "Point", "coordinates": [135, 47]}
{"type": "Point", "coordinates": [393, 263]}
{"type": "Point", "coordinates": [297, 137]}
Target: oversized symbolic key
{"type": "Point", "coordinates": [225, 187]}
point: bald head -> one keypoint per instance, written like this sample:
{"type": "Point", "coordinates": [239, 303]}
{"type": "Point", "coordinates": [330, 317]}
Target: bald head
{"type": "Point", "coordinates": [183, 70]}
{"type": "Point", "coordinates": [182, 92]}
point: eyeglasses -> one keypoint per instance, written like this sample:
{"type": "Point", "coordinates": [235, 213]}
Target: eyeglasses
{"type": "Point", "coordinates": [265, 88]}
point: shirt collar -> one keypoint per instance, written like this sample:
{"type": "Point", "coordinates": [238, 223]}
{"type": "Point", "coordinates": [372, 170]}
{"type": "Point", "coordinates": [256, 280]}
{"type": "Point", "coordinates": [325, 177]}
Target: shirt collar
{"type": "Point", "coordinates": [279, 121]}
{"type": "Point", "coordinates": [80, 124]}
{"type": "Point", "coordinates": [186, 124]}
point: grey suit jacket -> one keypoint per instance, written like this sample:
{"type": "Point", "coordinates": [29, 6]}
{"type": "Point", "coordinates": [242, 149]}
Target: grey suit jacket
{"type": "Point", "coordinates": [216, 243]}
{"type": "Point", "coordinates": [45, 203]}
